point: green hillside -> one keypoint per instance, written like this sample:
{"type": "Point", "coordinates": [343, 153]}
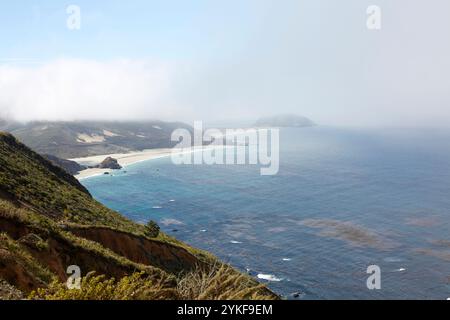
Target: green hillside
{"type": "Point", "coordinates": [48, 221]}
{"type": "Point", "coordinates": [86, 138]}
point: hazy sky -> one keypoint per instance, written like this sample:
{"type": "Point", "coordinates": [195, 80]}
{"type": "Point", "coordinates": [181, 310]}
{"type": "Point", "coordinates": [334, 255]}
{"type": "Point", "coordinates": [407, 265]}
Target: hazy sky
{"type": "Point", "coordinates": [227, 59]}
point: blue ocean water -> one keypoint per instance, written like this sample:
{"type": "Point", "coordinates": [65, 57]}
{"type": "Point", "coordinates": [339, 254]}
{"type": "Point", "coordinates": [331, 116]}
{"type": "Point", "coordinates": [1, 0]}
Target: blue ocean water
{"type": "Point", "coordinates": [344, 199]}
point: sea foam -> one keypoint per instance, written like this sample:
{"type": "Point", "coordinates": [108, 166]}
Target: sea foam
{"type": "Point", "coordinates": [268, 277]}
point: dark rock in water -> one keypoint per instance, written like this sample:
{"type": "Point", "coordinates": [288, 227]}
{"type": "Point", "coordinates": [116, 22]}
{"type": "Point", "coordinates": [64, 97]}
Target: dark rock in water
{"type": "Point", "coordinates": [175, 230]}
{"type": "Point", "coordinates": [70, 166]}
{"type": "Point", "coordinates": [106, 173]}
{"type": "Point", "coordinates": [110, 163]}
{"type": "Point", "coordinates": [296, 294]}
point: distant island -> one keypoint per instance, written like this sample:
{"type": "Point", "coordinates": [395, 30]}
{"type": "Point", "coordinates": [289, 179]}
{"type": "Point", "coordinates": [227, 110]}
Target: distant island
{"type": "Point", "coordinates": [285, 120]}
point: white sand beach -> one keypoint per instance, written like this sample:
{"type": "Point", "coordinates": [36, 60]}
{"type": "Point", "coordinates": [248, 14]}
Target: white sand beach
{"type": "Point", "coordinates": [124, 159]}
{"type": "Point", "coordinates": [127, 159]}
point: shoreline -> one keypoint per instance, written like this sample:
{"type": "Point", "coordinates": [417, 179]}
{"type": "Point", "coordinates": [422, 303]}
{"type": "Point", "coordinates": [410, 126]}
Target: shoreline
{"type": "Point", "coordinates": [128, 159]}
{"type": "Point", "coordinates": [124, 159]}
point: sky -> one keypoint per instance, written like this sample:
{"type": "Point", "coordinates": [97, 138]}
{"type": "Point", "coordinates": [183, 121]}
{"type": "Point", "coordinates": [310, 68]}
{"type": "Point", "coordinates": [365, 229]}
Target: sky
{"type": "Point", "coordinates": [222, 60]}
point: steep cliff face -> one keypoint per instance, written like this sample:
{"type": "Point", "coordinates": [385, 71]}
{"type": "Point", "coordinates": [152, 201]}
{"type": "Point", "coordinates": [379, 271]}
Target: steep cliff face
{"type": "Point", "coordinates": [34, 251]}
{"type": "Point", "coordinates": [71, 167]}
{"type": "Point", "coordinates": [142, 250]}
{"type": "Point", "coordinates": [38, 203]}
{"type": "Point", "coordinates": [49, 221]}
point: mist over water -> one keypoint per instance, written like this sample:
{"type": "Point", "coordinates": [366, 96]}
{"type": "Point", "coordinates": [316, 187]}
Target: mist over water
{"type": "Point", "coordinates": [216, 60]}
{"type": "Point", "coordinates": [343, 200]}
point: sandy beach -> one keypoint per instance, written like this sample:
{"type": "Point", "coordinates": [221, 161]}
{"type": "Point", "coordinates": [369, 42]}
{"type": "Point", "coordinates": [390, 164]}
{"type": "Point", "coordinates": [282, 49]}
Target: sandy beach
{"type": "Point", "coordinates": [126, 159]}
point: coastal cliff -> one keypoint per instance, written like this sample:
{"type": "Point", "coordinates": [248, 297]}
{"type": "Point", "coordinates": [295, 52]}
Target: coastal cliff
{"type": "Point", "coordinates": [49, 221]}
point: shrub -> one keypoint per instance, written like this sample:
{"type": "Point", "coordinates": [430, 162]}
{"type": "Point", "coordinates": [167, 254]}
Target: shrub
{"type": "Point", "coordinates": [34, 241]}
{"type": "Point", "coordinates": [152, 229]}
{"type": "Point", "coordinates": [134, 287]}
{"type": "Point", "coordinates": [219, 283]}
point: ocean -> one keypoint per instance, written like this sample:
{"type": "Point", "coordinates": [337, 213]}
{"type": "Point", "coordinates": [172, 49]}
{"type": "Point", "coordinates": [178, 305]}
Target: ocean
{"type": "Point", "coordinates": [343, 200]}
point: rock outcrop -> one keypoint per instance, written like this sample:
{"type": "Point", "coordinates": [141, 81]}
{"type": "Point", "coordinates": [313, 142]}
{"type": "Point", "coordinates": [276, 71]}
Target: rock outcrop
{"type": "Point", "coordinates": [110, 163]}
{"type": "Point", "coordinates": [70, 166]}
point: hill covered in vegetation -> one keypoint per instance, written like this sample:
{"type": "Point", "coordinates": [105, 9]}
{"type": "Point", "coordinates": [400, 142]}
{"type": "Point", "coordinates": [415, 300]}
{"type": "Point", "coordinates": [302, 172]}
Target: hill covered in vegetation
{"type": "Point", "coordinates": [49, 221]}
{"type": "Point", "coordinates": [87, 138]}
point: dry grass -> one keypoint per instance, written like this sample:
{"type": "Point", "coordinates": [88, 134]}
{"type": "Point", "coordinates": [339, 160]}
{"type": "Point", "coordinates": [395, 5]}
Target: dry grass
{"type": "Point", "coordinates": [9, 292]}
{"type": "Point", "coordinates": [134, 287]}
{"type": "Point", "coordinates": [221, 283]}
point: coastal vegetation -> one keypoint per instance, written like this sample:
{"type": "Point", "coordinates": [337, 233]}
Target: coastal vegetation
{"type": "Point", "coordinates": [49, 221]}
{"type": "Point", "coordinates": [221, 283]}
{"type": "Point", "coordinates": [74, 139]}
